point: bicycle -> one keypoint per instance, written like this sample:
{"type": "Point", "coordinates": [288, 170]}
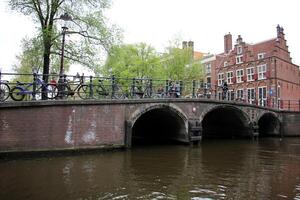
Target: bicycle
{"type": "Point", "coordinates": [19, 91]}
{"type": "Point", "coordinates": [102, 91]}
{"type": "Point", "coordinates": [137, 91]}
{"type": "Point", "coordinates": [81, 89]}
{"type": "Point", "coordinates": [4, 90]}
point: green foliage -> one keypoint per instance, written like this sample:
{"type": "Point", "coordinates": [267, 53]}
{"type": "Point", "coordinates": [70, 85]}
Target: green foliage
{"type": "Point", "coordinates": [88, 22]}
{"type": "Point", "coordinates": [132, 61]}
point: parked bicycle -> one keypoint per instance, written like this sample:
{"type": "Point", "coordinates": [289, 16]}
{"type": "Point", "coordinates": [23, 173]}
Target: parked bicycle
{"type": "Point", "coordinates": [19, 91]}
{"type": "Point", "coordinates": [4, 90]}
{"type": "Point", "coordinates": [66, 89]}
{"type": "Point", "coordinates": [105, 89]}
{"type": "Point", "coordinates": [141, 90]}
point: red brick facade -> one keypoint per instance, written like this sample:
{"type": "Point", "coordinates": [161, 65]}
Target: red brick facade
{"type": "Point", "coordinates": [261, 73]}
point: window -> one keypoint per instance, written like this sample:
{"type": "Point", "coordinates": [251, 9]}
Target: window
{"type": "Point", "coordinates": [230, 95]}
{"type": "Point", "coordinates": [260, 56]}
{"type": "Point", "coordinates": [239, 59]}
{"type": "Point", "coordinates": [229, 77]}
{"type": "Point", "coordinates": [208, 68]}
{"type": "Point", "coordinates": [239, 75]}
{"type": "Point", "coordinates": [251, 95]}
{"type": "Point", "coordinates": [239, 49]}
{"type": "Point", "coordinates": [262, 69]}
{"type": "Point", "coordinates": [225, 64]}
{"type": "Point", "coordinates": [250, 74]}
{"type": "Point", "coordinates": [262, 96]}
{"type": "Point", "coordinates": [220, 79]}
{"type": "Point", "coordinates": [208, 79]}
{"type": "Point", "coordinates": [240, 94]}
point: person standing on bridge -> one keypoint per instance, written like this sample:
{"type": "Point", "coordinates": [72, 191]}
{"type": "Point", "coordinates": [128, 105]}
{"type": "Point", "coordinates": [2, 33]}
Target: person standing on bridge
{"type": "Point", "coordinates": [225, 89]}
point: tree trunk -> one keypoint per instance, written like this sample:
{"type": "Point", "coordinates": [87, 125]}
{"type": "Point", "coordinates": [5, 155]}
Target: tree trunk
{"type": "Point", "coordinates": [46, 65]}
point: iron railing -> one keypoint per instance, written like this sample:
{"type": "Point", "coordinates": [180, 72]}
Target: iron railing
{"type": "Point", "coordinates": [80, 87]}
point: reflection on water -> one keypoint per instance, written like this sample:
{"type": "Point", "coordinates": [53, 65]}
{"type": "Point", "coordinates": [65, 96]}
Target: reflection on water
{"type": "Point", "coordinates": [224, 169]}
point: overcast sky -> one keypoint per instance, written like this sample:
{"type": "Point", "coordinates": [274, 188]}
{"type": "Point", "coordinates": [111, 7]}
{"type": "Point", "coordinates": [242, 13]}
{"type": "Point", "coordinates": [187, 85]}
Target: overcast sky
{"type": "Point", "coordinates": [156, 22]}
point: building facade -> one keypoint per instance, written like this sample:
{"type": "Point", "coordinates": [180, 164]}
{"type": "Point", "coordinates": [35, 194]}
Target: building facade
{"type": "Point", "coordinates": [261, 73]}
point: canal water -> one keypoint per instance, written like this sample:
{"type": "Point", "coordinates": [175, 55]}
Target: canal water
{"type": "Point", "coordinates": [216, 169]}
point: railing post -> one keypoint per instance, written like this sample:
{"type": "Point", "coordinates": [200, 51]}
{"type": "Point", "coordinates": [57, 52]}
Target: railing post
{"type": "Point", "coordinates": [91, 87]}
{"type": "Point", "coordinates": [150, 87]}
{"type": "Point", "coordinates": [299, 104]}
{"type": "Point", "coordinates": [289, 104]}
{"type": "Point", "coordinates": [193, 89]}
{"type": "Point", "coordinates": [181, 88]}
{"type": "Point", "coordinates": [113, 82]}
{"type": "Point", "coordinates": [133, 88]}
{"type": "Point", "coordinates": [167, 87]}
{"type": "Point", "coordinates": [34, 86]}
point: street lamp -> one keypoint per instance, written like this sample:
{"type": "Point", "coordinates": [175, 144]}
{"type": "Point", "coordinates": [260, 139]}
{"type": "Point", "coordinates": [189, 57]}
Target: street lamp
{"type": "Point", "coordinates": [66, 18]}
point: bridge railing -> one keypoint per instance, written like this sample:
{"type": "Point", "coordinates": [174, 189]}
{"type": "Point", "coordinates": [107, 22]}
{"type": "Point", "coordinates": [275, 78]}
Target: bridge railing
{"type": "Point", "coordinates": [30, 87]}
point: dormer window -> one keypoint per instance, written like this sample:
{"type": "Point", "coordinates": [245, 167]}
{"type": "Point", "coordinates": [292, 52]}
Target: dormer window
{"type": "Point", "coordinates": [225, 64]}
{"type": "Point", "coordinates": [260, 56]}
{"type": "Point", "coordinates": [239, 49]}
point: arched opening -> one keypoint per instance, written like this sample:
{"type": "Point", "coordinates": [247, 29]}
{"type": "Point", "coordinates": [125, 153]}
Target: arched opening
{"type": "Point", "coordinates": [157, 126]}
{"type": "Point", "coordinates": [268, 125]}
{"type": "Point", "coordinates": [225, 122]}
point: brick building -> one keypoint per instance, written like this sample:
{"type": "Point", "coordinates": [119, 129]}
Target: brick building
{"type": "Point", "coordinates": [261, 73]}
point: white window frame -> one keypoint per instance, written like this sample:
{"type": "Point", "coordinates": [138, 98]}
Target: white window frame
{"type": "Point", "coordinates": [250, 76]}
{"type": "Point", "coordinates": [208, 68]}
{"type": "Point", "coordinates": [261, 71]}
{"type": "Point", "coordinates": [225, 64]}
{"type": "Point", "coordinates": [230, 95]}
{"type": "Point", "coordinates": [262, 95]}
{"type": "Point", "coordinates": [251, 98]}
{"type": "Point", "coordinates": [239, 59]}
{"type": "Point", "coordinates": [260, 56]}
{"type": "Point", "coordinates": [229, 76]}
{"type": "Point", "coordinates": [220, 79]}
{"type": "Point", "coordinates": [240, 94]}
{"type": "Point", "coordinates": [239, 75]}
{"type": "Point", "coordinates": [239, 50]}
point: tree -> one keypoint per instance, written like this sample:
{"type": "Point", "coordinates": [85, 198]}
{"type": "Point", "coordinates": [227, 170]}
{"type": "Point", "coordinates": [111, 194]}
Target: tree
{"type": "Point", "coordinates": [88, 22]}
{"type": "Point", "coordinates": [32, 58]}
{"type": "Point", "coordinates": [132, 61]}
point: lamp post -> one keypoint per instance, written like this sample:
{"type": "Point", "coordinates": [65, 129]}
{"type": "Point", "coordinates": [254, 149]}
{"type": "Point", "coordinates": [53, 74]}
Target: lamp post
{"type": "Point", "coordinates": [65, 17]}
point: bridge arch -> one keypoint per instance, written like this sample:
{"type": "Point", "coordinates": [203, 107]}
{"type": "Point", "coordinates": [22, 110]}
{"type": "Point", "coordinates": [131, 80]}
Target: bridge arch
{"type": "Point", "coordinates": [225, 121]}
{"type": "Point", "coordinates": [159, 123]}
{"type": "Point", "coordinates": [268, 124]}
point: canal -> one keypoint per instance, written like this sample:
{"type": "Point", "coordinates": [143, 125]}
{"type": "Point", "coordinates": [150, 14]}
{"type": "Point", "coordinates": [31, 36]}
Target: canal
{"type": "Point", "coordinates": [216, 169]}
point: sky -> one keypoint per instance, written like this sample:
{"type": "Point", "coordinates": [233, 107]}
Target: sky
{"type": "Point", "coordinates": [156, 22]}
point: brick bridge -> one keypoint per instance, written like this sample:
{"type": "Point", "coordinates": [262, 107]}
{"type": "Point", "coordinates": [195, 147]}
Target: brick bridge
{"type": "Point", "coordinates": [74, 125]}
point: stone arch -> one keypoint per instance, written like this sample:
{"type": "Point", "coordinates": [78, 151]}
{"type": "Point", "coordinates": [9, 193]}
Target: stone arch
{"type": "Point", "coordinates": [225, 121]}
{"type": "Point", "coordinates": [269, 124]}
{"type": "Point", "coordinates": [157, 123]}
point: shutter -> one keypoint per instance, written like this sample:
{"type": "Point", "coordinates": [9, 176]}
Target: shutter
{"type": "Point", "coordinates": [268, 74]}
{"type": "Point", "coordinates": [234, 80]}
{"type": "Point", "coordinates": [255, 76]}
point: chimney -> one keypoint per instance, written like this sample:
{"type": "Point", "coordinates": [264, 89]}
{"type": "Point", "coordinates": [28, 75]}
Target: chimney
{"type": "Point", "coordinates": [191, 45]}
{"type": "Point", "coordinates": [184, 44]}
{"type": "Point", "coordinates": [227, 43]}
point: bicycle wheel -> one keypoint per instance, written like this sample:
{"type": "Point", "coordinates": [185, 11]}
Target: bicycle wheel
{"type": "Point", "coordinates": [16, 94]}
{"type": "Point", "coordinates": [101, 93]}
{"type": "Point", "coordinates": [84, 92]}
{"type": "Point", "coordinates": [4, 91]}
{"type": "Point", "coordinates": [52, 91]}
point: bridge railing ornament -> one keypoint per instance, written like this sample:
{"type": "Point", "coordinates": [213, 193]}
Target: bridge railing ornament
{"type": "Point", "coordinates": [31, 87]}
